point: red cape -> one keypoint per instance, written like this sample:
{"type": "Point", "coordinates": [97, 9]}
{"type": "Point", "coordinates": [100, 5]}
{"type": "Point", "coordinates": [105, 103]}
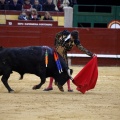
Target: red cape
{"type": "Point", "coordinates": [86, 79]}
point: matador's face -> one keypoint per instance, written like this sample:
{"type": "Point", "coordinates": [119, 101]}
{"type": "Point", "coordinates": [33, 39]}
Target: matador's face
{"type": "Point", "coordinates": [71, 37]}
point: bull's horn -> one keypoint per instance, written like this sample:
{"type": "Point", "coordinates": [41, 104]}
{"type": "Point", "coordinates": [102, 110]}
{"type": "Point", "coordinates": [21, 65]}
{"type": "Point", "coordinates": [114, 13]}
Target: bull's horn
{"type": "Point", "coordinates": [68, 71]}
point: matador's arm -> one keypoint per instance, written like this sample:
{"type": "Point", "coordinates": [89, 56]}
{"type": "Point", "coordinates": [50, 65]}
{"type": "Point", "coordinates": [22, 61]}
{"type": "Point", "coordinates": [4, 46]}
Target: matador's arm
{"type": "Point", "coordinates": [80, 47]}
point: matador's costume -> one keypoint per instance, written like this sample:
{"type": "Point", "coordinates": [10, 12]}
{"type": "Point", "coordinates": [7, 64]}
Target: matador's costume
{"type": "Point", "coordinates": [63, 43]}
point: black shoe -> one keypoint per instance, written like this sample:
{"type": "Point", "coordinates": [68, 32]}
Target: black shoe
{"type": "Point", "coordinates": [48, 89]}
{"type": "Point", "coordinates": [70, 90]}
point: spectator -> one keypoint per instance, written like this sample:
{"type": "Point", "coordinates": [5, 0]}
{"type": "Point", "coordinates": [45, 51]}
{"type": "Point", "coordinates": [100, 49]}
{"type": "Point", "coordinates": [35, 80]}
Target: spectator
{"type": "Point", "coordinates": [34, 15]}
{"type": "Point", "coordinates": [23, 16]}
{"type": "Point", "coordinates": [27, 5]}
{"type": "Point", "coordinates": [40, 1]}
{"type": "Point", "coordinates": [37, 5]}
{"type": "Point", "coordinates": [3, 5]}
{"type": "Point", "coordinates": [32, 2]}
{"type": "Point", "coordinates": [65, 3]}
{"type": "Point", "coordinates": [55, 2]}
{"type": "Point", "coordinates": [21, 1]}
{"type": "Point", "coordinates": [11, 1]}
{"type": "Point", "coordinates": [49, 6]}
{"type": "Point", "coordinates": [47, 16]}
{"type": "Point", "coordinates": [59, 5]}
{"type": "Point", "coordinates": [72, 3]}
{"type": "Point", "coordinates": [15, 5]}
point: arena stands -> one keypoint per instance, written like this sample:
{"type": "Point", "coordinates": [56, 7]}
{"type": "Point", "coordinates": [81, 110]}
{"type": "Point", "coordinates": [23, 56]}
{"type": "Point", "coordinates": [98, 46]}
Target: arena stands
{"type": "Point", "coordinates": [103, 41]}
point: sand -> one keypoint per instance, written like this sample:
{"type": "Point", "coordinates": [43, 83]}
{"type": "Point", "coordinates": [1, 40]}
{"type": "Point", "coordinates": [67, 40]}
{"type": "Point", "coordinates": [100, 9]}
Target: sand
{"type": "Point", "coordinates": [100, 103]}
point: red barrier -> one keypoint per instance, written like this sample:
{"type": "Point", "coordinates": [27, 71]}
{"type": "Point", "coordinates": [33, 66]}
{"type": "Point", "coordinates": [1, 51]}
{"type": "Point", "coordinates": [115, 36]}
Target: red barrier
{"type": "Point", "coordinates": [99, 41]}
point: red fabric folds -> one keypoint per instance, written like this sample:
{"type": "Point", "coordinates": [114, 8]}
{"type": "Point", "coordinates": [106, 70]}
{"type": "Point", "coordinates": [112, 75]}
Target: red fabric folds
{"type": "Point", "coordinates": [86, 79]}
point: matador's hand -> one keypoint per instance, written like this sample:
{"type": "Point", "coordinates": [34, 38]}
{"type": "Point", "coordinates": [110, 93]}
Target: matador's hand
{"type": "Point", "coordinates": [94, 55]}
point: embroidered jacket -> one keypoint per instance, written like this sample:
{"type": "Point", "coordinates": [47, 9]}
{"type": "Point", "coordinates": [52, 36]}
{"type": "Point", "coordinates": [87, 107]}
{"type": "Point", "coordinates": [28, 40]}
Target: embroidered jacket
{"type": "Point", "coordinates": [63, 46]}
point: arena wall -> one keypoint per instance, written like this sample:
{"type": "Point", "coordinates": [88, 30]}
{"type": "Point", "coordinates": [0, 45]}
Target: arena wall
{"type": "Point", "coordinates": [100, 41]}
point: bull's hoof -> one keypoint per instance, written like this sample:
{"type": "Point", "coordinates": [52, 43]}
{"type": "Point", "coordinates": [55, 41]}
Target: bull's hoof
{"type": "Point", "coordinates": [60, 88]}
{"type": "Point", "coordinates": [11, 91]}
{"type": "Point", "coordinates": [35, 87]}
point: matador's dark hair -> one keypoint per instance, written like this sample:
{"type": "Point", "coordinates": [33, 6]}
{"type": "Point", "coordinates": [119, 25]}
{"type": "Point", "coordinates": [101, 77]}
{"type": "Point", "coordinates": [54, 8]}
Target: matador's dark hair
{"type": "Point", "coordinates": [74, 34]}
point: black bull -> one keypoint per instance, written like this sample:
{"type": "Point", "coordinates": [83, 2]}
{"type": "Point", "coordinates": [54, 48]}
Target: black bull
{"type": "Point", "coordinates": [32, 60]}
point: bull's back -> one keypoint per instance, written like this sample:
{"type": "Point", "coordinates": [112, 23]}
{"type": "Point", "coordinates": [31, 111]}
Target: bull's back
{"type": "Point", "coordinates": [34, 53]}
{"type": "Point", "coordinates": [26, 59]}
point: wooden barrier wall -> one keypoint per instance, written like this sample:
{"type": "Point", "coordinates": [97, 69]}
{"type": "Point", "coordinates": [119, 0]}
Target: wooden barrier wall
{"type": "Point", "coordinates": [99, 41]}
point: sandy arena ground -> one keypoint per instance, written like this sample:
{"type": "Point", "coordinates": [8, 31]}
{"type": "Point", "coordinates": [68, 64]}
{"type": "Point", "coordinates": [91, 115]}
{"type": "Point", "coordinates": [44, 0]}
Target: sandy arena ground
{"type": "Point", "coordinates": [101, 103]}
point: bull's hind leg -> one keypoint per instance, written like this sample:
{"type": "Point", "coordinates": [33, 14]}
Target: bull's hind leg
{"type": "Point", "coordinates": [5, 82]}
{"type": "Point", "coordinates": [43, 79]}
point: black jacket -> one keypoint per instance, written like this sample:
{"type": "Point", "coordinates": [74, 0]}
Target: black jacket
{"type": "Point", "coordinates": [48, 7]}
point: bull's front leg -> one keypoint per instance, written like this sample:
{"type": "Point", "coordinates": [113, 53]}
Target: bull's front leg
{"type": "Point", "coordinates": [39, 85]}
{"type": "Point", "coordinates": [4, 79]}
